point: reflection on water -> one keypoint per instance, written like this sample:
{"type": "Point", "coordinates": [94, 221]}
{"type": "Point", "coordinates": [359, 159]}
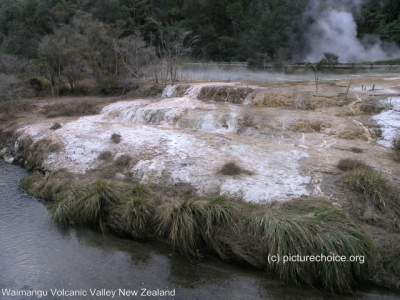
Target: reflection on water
{"type": "Point", "coordinates": [37, 255]}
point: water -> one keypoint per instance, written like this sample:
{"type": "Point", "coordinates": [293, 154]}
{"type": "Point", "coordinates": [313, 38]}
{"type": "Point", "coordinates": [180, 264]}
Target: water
{"type": "Point", "coordinates": [36, 256]}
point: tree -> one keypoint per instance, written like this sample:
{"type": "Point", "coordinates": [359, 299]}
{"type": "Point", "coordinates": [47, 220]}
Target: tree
{"type": "Point", "coordinates": [174, 45]}
{"type": "Point", "coordinates": [330, 59]}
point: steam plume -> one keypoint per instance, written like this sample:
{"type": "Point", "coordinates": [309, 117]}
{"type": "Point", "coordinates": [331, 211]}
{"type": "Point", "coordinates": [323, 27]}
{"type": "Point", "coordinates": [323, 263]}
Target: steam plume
{"type": "Point", "coordinates": [332, 28]}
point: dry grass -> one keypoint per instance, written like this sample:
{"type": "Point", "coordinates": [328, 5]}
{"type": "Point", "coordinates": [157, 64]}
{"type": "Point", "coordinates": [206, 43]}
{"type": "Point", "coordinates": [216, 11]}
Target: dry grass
{"type": "Point", "coordinates": [55, 126]}
{"type": "Point", "coordinates": [123, 161]}
{"type": "Point", "coordinates": [231, 169]}
{"type": "Point", "coordinates": [348, 164]}
{"type": "Point", "coordinates": [105, 155]}
{"type": "Point", "coordinates": [356, 150]}
{"type": "Point", "coordinates": [373, 107]}
{"type": "Point", "coordinates": [307, 126]}
{"type": "Point", "coordinates": [77, 107]}
{"type": "Point", "coordinates": [396, 149]}
{"type": "Point", "coordinates": [378, 202]}
{"type": "Point", "coordinates": [116, 138]}
{"type": "Point", "coordinates": [324, 231]}
{"type": "Point", "coordinates": [386, 267]}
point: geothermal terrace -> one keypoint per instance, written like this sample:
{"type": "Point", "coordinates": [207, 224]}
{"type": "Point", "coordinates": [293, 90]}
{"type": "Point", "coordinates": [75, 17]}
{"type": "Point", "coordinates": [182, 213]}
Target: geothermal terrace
{"type": "Point", "coordinates": [286, 138]}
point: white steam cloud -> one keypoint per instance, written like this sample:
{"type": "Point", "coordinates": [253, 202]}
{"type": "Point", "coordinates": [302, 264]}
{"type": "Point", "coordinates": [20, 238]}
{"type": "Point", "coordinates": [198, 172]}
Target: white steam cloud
{"type": "Point", "coordinates": [333, 29]}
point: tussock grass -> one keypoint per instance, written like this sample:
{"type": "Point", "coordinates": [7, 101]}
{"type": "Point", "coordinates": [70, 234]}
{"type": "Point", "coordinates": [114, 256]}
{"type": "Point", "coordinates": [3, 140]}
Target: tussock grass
{"type": "Point", "coordinates": [93, 208]}
{"type": "Point", "coordinates": [134, 215]}
{"type": "Point", "coordinates": [396, 145]}
{"type": "Point", "coordinates": [191, 221]}
{"type": "Point", "coordinates": [55, 126]}
{"type": "Point", "coordinates": [380, 201]}
{"type": "Point", "coordinates": [137, 216]}
{"type": "Point", "coordinates": [116, 138]}
{"type": "Point", "coordinates": [231, 169]}
{"type": "Point", "coordinates": [123, 161]}
{"type": "Point", "coordinates": [324, 231]}
{"type": "Point", "coordinates": [386, 268]}
{"type": "Point", "coordinates": [63, 211]}
{"type": "Point", "coordinates": [177, 222]}
{"type": "Point", "coordinates": [307, 126]}
{"type": "Point", "coordinates": [348, 164]}
{"type": "Point", "coordinates": [356, 150]}
{"type": "Point", "coordinates": [32, 184]}
{"type": "Point", "coordinates": [232, 229]}
{"type": "Point", "coordinates": [396, 149]}
{"type": "Point", "coordinates": [105, 155]}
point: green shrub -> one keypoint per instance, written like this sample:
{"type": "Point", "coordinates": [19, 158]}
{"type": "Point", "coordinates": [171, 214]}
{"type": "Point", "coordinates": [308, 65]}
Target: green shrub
{"type": "Point", "coordinates": [39, 83]}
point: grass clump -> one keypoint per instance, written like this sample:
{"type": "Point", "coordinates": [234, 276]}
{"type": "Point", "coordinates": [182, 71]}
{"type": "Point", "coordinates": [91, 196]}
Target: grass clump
{"type": "Point", "coordinates": [356, 150]}
{"type": "Point", "coordinates": [77, 205]}
{"type": "Point", "coordinates": [134, 215]}
{"type": "Point", "coordinates": [324, 231]}
{"type": "Point", "coordinates": [396, 149]}
{"type": "Point", "coordinates": [32, 184]}
{"type": "Point", "coordinates": [123, 161]}
{"type": "Point", "coordinates": [231, 169]}
{"type": "Point", "coordinates": [190, 222]}
{"type": "Point", "coordinates": [137, 215]}
{"type": "Point", "coordinates": [116, 138]}
{"type": "Point", "coordinates": [105, 155]}
{"type": "Point", "coordinates": [348, 164]}
{"type": "Point", "coordinates": [386, 269]}
{"type": "Point", "coordinates": [55, 126]}
{"type": "Point", "coordinates": [380, 202]}
{"type": "Point", "coordinates": [234, 230]}
{"type": "Point", "coordinates": [93, 209]}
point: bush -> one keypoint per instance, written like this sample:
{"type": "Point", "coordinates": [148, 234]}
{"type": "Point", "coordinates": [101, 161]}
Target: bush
{"type": "Point", "coordinates": [39, 84]}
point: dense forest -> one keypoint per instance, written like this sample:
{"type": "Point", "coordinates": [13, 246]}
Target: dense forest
{"type": "Point", "coordinates": [226, 30]}
{"type": "Point", "coordinates": [108, 40]}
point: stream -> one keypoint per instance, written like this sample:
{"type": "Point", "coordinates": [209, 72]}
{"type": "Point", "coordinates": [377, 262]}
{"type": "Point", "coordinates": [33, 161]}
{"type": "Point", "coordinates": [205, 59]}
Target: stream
{"type": "Point", "coordinates": [40, 261]}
